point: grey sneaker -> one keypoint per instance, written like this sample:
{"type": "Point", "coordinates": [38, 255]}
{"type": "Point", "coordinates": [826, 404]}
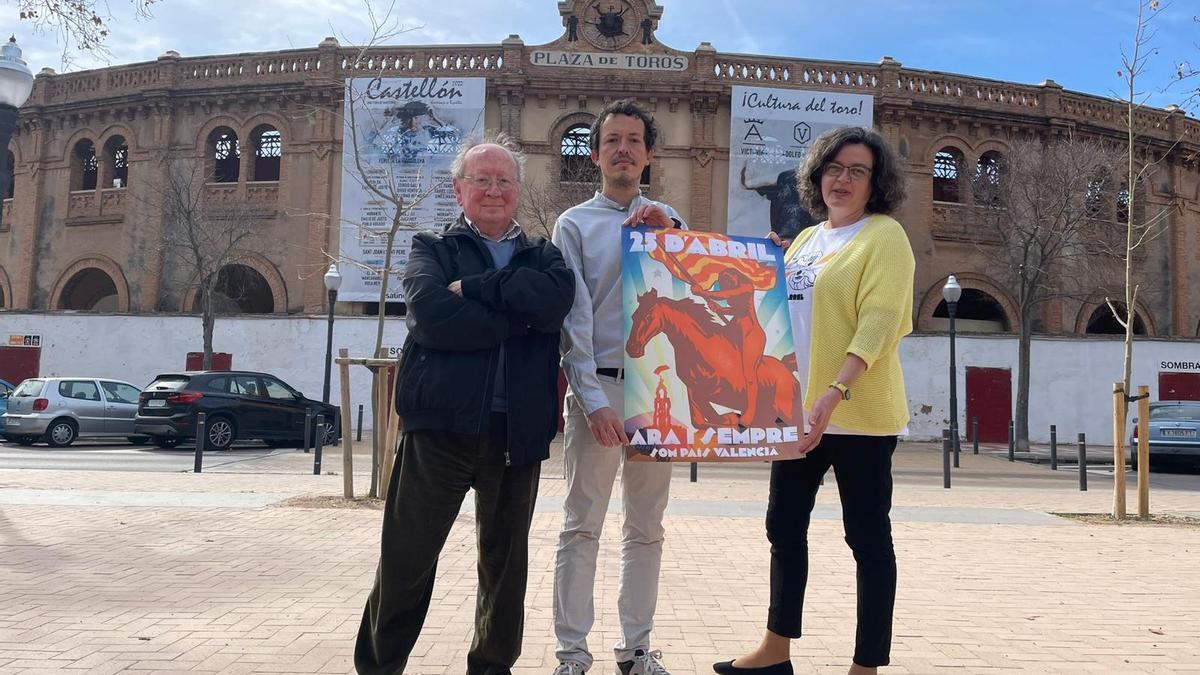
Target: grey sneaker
{"type": "Point", "coordinates": [643, 663]}
{"type": "Point", "coordinates": [569, 668]}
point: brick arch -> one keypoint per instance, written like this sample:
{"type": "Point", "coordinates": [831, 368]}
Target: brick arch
{"type": "Point", "coordinates": [201, 138]}
{"type": "Point", "coordinates": [72, 140]}
{"type": "Point", "coordinates": [259, 264]}
{"type": "Point", "coordinates": [1140, 309]}
{"type": "Point", "coordinates": [281, 125]}
{"type": "Point", "coordinates": [979, 282]}
{"type": "Point", "coordinates": [117, 130]}
{"type": "Point", "coordinates": [102, 263]}
{"type": "Point", "coordinates": [564, 122]}
{"type": "Point", "coordinates": [6, 288]}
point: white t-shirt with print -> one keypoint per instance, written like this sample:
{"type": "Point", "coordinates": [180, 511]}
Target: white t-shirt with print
{"type": "Point", "coordinates": [801, 272]}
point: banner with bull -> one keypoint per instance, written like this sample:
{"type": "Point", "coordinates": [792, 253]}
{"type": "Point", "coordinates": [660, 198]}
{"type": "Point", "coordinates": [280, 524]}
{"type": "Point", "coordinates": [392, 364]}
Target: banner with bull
{"type": "Point", "coordinates": [770, 131]}
{"type": "Point", "coordinates": [710, 365]}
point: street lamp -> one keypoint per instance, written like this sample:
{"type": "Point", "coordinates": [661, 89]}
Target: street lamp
{"type": "Point", "coordinates": [333, 281]}
{"type": "Point", "coordinates": [16, 83]}
{"type": "Point", "coordinates": [951, 292]}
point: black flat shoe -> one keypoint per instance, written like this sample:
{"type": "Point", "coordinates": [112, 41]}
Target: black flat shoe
{"type": "Point", "coordinates": [727, 668]}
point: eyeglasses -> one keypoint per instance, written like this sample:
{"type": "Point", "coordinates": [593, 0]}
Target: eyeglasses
{"type": "Point", "coordinates": [486, 182]}
{"type": "Point", "coordinates": [858, 172]}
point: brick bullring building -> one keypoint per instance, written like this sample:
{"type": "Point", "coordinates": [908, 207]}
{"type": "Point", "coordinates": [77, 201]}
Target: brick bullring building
{"type": "Point", "coordinates": [80, 233]}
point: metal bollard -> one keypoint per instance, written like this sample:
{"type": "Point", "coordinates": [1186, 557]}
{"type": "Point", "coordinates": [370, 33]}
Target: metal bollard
{"type": "Point", "coordinates": [201, 439]}
{"type": "Point", "coordinates": [308, 421]}
{"type": "Point", "coordinates": [693, 470]}
{"type": "Point", "coordinates": [1053, 447]}
{"type": "Point", "coordinates": [955, 444]}
{"type": "Point", "coordinates": [1012, 440]}
{"type": "Point", "coordinates": [358, 434]}
{"type": "Point", "coordinates": [1082, 462]}
{"type": "Point", "coordinates": [946, 443]}
{"type": "Point", "coordinates": [320, 443]}
{"type": "Point", "coordinates": [974, 435]}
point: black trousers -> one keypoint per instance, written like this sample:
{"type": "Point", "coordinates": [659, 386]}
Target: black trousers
{"type": "Point", "coordinates": [863, 467]}
{"type": "Point", "coordinates": [433, 472]}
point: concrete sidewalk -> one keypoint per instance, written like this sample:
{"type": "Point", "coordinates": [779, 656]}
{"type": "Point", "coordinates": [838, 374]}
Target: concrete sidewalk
{"type": "Point", "coordinates": [109, 572]}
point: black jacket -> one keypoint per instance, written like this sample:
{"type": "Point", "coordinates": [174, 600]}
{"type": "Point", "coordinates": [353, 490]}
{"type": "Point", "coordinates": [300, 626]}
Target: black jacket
{"type": "Point", "coordinates": [450, 357]}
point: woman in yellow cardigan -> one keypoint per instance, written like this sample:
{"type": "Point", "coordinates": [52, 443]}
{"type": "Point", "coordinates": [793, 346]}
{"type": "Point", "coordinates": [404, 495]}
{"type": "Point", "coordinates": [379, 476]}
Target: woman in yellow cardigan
{"type": "Point", "coordinates": [850, 291]}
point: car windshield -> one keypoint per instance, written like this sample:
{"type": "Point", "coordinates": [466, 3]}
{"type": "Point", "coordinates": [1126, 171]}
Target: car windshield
{"type": "Point", "coordinates": [169, 383]}
{"type": "Point", "coordinates": [29, 388]}
{"type": "Point", "coordinates": [1175, 412]}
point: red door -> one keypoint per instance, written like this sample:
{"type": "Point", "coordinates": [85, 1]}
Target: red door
{"type": "Point", "coordinates": [989, 398]}
{"type": "Point", "coordinates": [220, 361]}
{"type": "Point", "coordinates": [19, 363]}
{"type": "Point", "coordinates": [1179, 386]}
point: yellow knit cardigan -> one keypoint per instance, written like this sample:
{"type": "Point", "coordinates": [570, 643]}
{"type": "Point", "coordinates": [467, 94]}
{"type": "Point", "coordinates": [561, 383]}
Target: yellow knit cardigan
{"type": "Point", "coordinates": [862, 305]}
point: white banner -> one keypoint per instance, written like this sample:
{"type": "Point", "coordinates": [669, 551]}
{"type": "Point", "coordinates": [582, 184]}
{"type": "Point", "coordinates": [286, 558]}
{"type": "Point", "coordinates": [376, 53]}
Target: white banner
{"type": "Point", "coordinates": [407, 132]}
{"type": "Point", "coordinates": [770, 131]}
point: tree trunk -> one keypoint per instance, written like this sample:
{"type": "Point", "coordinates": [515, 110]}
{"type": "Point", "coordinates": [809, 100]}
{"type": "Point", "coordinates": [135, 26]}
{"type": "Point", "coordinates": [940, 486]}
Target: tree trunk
{"type": "Point", "coordinates": [1021, 419]}
{"type": "Point", "coordinates": [207, 319]}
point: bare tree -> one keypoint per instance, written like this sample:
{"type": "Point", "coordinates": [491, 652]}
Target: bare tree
{"type": "Point", "coordinates": [202, 236]}
{"type": "Point", "coordinates": [79, 23]}
{"type": "Point", "coordinates": [1047, 221]}
{"type": "Point", "coordinates": [543, 200]}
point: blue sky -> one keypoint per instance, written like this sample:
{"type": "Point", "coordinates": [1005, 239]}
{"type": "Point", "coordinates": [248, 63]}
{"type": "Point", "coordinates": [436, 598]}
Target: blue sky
{"type": "Point", "coordinates": [1075, 42]}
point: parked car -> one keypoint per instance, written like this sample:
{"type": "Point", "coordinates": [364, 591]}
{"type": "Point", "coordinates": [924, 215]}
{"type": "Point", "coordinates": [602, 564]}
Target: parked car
{"type": "Point", "coordinates": [59, 410]}
{"type": "Point", "coordinates": [238, 405]}
{"type": "Point", "coordinates": [1174, 431]}
{"type": "Point", "coordinates": [6, 390]}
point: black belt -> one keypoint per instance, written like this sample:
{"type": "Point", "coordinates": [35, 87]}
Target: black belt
{"type": "Point", "coordinates": [618, 373]}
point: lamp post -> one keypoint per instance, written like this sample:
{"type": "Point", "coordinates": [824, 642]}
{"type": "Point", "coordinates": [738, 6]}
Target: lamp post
{"type": "Point", "coordinates": [333, 281]}
{"type": "Point", "coordinates": [16, 83]}
{"type": "Point", "coordinates": [951, 292]}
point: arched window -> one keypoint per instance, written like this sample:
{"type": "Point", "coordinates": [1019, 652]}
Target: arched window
{"type": "Point", "coordinates": [226, 155]}
{"type": "Point", "coordinates": [986, 183]}
{"type": "Point", "coordinates": [240, 289]}
{"type": "Point", "coordinates": [976, 311]}
{"type": "Point", "coordinates": [1096, 198]}
{"type": "Point", "coordinates": [84, 167]}
{"type": "Point", "coordinates": [1123, 205]}
{"type": "Point", "coordinates": [268, 151]}
{"type": "Point", "coordinates": [1102, 321]}
{"type": "Point", "coordinates": [10, 190]}
{"type": "Point", "coordinates": [90, 290]}
{"type": "Point", "coordinates": [947, 165]}
{"type": "Point", "coordinates": [116, 158]}
{"type": "Point", "coordinates": [576, 156]}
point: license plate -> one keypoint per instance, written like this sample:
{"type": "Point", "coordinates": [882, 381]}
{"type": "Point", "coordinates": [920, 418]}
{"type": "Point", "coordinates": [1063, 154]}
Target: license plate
{"type": "Point", "coordinates": [1179, 433]}
{"type": "Point", "coordinates": [12, 422]}
{"type": "Point", "coordinates": [156, 403]}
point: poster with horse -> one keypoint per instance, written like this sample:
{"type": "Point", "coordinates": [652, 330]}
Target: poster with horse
{"type": "Point", "coordinates": [710, 366]}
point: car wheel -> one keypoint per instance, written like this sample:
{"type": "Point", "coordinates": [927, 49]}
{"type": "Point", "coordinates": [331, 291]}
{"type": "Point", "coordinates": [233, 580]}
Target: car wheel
{"type": "Point", "coordinates": [61, 433]}
{"type": "Point", "coordinates": [138, 440]}
{"type": "Point", "coordinates": [331, 435]}
{"type": "Point", "coordinates": [165, 442]}
{"type": "Point", "coordinates": [219, 434]}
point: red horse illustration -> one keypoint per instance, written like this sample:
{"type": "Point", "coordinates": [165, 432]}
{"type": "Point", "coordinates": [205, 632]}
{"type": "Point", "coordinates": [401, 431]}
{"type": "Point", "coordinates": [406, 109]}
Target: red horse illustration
{"type": "Point", "coordinates": [709, 362]}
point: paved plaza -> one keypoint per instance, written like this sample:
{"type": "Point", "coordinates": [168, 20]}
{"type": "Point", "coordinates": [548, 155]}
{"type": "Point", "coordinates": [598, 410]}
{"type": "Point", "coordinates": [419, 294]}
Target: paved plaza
{"type": "Point", "coordinates": [221, 572]}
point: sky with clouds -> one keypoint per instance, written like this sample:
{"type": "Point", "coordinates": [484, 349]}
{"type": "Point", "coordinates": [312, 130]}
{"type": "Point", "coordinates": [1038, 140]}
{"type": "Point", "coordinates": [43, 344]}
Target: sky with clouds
{"type": "Point", "coordinates": [1077, 43]}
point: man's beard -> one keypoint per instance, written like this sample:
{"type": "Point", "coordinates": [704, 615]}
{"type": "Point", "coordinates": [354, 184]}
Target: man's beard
{"type": "Point", "coordinates": [622, 181]}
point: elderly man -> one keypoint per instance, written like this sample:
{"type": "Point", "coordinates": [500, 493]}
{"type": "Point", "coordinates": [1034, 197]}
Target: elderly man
{"type": "Point", "coordinates": [622, 146]}
{"type": "Point", "coordinates": [477, 392]}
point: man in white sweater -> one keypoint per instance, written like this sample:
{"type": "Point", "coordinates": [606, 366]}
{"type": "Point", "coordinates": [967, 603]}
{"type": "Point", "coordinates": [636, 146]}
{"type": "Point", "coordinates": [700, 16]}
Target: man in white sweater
{"type": "Point", "coordinates": [589, 236]}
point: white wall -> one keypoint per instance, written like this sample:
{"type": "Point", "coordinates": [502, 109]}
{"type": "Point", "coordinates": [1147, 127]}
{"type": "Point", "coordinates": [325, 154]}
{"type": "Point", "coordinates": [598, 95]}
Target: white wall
{"type": "Point", "coordinates": [135, 348]}
{"type": "Point", "coordinates": [1071, 383]}
{"type": "Point", "coordinates": [1070, 379]}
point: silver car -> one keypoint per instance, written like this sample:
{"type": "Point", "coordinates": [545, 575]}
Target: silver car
{"type": "Point", "coordinates": [1174, 431]}
{"type": "Point", "coordinates": [59, 410]}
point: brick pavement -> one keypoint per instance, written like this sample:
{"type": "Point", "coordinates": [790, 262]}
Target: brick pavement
{"type": "Point", "coordinates": [230, 589]}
